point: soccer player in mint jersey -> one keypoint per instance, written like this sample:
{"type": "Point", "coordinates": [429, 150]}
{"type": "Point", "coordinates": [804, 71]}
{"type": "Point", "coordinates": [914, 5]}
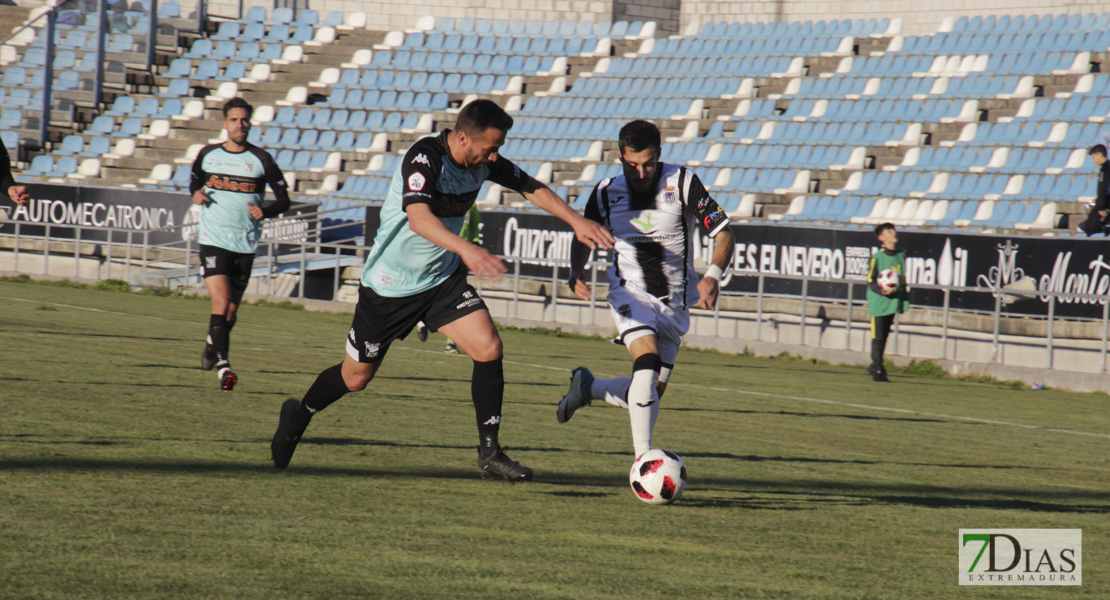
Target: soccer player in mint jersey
{"type": "Point", "coordinates": [416, 271]}
{"type": "Point", "coordinates": [229, 180]}
{"type": "Point", "coordinates": [882, 304]}
{"type": "Point", "coordinates": [651, 209]}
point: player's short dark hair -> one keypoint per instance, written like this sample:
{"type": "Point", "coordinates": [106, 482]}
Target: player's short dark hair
{"type": "Point", "coordinates": [480, 115]}
{"type": "Point", "coordinates": [1097, 149]}
{"type": "Point", "coordinates": [881, 228]}
{"type": "Point", "coordinates": [238, 103]}
{"type": "Point", "coordinates": [638, 136]}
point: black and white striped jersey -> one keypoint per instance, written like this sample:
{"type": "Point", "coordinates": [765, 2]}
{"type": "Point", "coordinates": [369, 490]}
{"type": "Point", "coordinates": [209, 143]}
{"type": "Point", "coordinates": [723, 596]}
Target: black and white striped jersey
{"type": "Point", "coordinates": [654, 232]}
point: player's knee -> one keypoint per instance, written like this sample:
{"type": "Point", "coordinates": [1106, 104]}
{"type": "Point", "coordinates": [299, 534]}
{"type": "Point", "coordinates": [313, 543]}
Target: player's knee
{"type": "Point", "coordinates": [488, 350]}
{"type": "Point", "coordinates": [358, 377]}
{"type": "Point", "coordinates": [647, 362]}
{"type": "Point", "coordinates": [356, 382]}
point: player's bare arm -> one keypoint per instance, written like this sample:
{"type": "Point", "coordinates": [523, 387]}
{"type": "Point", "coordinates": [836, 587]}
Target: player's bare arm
{"type": "Point", "coordinates": [424, 223]}
{"type": "Point", "coordinates": [579, 256]}
{"type": "Point", "coordinates": [709, 286]}
{"type": "Point", "coordinates": [588, 232]}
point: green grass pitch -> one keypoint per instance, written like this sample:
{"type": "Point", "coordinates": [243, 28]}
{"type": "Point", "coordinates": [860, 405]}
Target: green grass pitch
{"type": "Point", "coordinates": [126, 473]}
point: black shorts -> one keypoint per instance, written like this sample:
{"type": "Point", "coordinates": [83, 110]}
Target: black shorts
{"type": "Point", "coordinates": [215, 260]}
{"type": "Point", "coordinates": [380, 320]}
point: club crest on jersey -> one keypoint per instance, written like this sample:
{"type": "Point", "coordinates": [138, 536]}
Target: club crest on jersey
{"type": "Point", "coordinates": [422, 160]}
{"type": "Point", "coordinates": [670, 196]}
{"type": "Point", "coordinates": [416, 182]}
{"type": "Point", "coordinates": [372, 350]}
{"type": "Point", "coordinates": [625, 313]}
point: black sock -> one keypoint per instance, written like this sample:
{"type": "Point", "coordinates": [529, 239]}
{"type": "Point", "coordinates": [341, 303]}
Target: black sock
{"type": "Point", "coordinates": [487, 389]}
{"type": "Point", "coordinates": [328, 387]}
{"type": "Point", "coordinates": [218, 333]}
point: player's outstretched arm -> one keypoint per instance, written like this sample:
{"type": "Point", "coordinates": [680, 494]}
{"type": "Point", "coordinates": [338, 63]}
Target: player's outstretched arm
{"type": "Point", "coordinates": [709, 287]}
{"type": "Point", "coordinates": [424, 223]}
{"type": "Point", "coordinates": [590, 233]}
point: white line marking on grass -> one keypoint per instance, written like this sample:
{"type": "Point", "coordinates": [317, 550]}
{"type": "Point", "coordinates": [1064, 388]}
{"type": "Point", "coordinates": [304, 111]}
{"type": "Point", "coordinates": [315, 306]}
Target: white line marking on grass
{"type": "Point", "coordinates": [695, 386]}
{"type": "Point", "coordinates": [896, 410]}
{"type": "Point", "coordinates": [839, 403]}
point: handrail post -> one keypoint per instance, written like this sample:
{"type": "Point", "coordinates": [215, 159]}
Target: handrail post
{"type": "Point", "coordinates": [101, 34]}
{"type": "Point", "coordinates": [1105, 324]}
{"type": "Point", "coordinates": [152, 35]}
{"type": "Point", "coordinates": [300, 286]}
{"type": "Point", "coordinates": [759, 309]}
{"type": "Point", "coordinates": [944, 326]}
{"type": "Point", "coordinates": [516, 286]}
{"type": "Point", "coordinates": [802, 322]}
{"type": "Point", "coordinates": [1051, 321]}
{"type": "Point", "coordinates": [46, 252]}
{"type": "Point", "coordinates": [48, 77]}
{"type": "Point", "coordinates": [108, 258]}
{"type": "Point", "coordinates": [997, 320]}
{"type": "Point", "coordinates": [77, 253]}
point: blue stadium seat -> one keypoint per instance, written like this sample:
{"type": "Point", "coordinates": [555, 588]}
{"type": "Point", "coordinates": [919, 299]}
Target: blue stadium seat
{"type": "Point", "coordinates": [228, 30]}
{"type": "Point", "coordinates": [40, 166]}
{"type": "Point", "coordinates": [177, 88]}
{"type": "Point", "coordinates": [130, 128]}
{"type": "Point", "coordinates": [71, 145]}
{"type": "Point", "coordinates": [123, 105]}
{"type": "Point", "coordinates": [179, 67]}
{"type": "Point", "coordinates": [63, 166]}
{"type": "Point", "coordinates": [97, 147]}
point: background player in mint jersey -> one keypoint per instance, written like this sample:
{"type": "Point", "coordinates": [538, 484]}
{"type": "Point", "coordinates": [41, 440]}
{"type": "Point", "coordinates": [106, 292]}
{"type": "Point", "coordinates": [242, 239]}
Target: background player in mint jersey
{"type": "Point", "coordinates": [416, 271]}
{"type": "Point", "coordinates": [651, 209]}
{"type": "Point", "coordinates": [229, 181]}
{"type": "Point", "coordinates": [882, 304]}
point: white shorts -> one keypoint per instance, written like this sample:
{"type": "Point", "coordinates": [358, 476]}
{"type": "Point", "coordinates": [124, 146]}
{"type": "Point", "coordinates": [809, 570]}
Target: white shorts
{"type": "Point", "coordinates": [637, 314]}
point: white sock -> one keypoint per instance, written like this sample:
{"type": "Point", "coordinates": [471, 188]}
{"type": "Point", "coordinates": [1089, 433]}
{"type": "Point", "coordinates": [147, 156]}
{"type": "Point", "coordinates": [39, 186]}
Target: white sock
{"type": "Point", "coordinates": [613, 391]}
{"type": "Point", "coordinates": [643, 408]}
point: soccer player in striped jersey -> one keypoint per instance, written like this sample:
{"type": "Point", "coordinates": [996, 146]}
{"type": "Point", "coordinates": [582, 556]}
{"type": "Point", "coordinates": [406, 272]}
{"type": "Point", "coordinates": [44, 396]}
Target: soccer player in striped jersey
{"type": "Point", "coordinates": [651, 209]}
{"type": "Point", "coordinates": [229, 181]}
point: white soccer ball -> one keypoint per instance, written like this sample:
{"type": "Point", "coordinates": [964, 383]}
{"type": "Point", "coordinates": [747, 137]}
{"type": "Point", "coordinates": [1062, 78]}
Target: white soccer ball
{"type": "Point", "coordinates": [658, 477]}
{"type": "Point", "coordinates": [888, 279]}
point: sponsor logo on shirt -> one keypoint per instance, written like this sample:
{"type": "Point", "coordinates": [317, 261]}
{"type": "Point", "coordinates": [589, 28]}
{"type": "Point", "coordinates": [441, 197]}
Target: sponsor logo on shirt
{"type": "Point", "coordinates": [232, 184]}
{"type": "Point", "coordinates": [644, 223]}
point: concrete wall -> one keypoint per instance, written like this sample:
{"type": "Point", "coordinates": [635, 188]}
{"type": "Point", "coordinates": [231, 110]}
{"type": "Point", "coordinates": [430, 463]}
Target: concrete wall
{"type": "Point", "coordinates": [918, 17]}
{"type": "Point", "coordinates": [673, 16]}
{"type": "Point", "coordinates": [388, 15]}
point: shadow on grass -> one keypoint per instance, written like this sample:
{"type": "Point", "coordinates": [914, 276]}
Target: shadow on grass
{"type": "Point", "coordinates": [144, 338]}
{"type": "Point", "coordinates": [709, 493]}
{"type": "Point", "coordinates": [787, 413]}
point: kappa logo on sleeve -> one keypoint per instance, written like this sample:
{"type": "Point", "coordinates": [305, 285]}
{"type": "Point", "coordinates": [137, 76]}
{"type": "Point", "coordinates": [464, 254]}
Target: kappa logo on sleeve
{"type": "Point", "coordinates": [420, 159]}
{"type": "Point", "coordinates": [416, 182]}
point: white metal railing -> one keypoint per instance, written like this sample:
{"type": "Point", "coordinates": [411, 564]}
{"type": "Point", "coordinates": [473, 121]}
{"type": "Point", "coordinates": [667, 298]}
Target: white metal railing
{"type": "Point", "coordinates": [127, 254]}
